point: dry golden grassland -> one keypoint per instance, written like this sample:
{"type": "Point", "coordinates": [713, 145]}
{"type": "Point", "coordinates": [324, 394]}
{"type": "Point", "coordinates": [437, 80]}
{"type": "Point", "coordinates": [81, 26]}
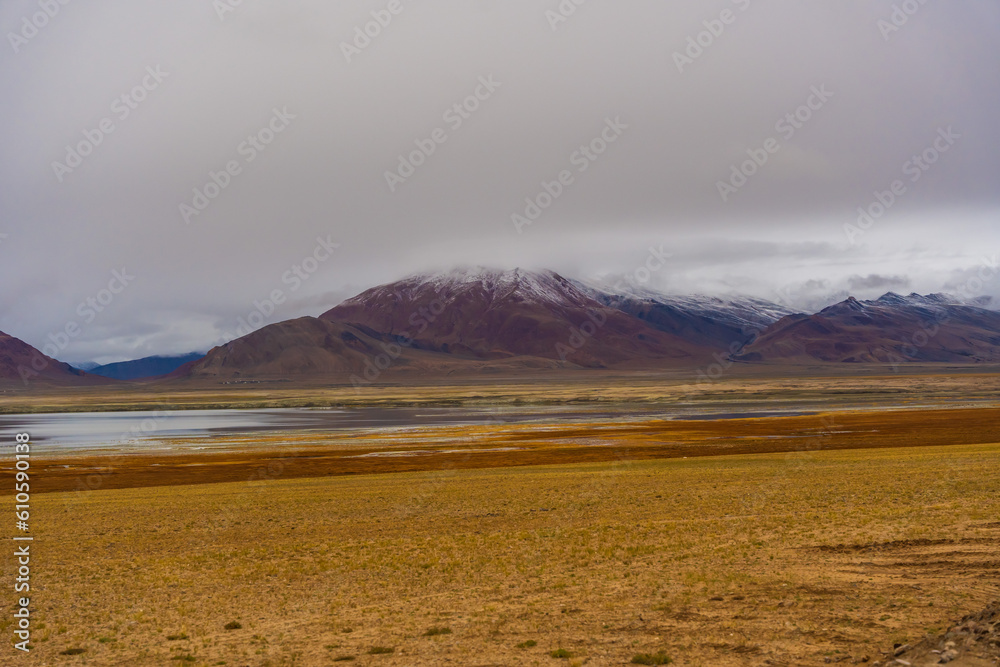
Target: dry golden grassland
{"type": "Point", "coordinates": [779, 559]}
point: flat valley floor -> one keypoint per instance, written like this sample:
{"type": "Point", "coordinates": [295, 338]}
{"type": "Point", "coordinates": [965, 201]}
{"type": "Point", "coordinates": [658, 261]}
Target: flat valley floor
{"type": "Point", "coordinates": [865, 520]}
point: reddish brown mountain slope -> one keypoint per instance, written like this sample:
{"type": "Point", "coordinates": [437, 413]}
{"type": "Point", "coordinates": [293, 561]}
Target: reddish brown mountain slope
{"type": "Point", "coordinates": [23, 364]}
{"type": "Point", "coordinates": [891, 329]}
{"type": "Point", "coordinates": [486, 314]}
{"type": "Point", "coordinates": [310, 347]}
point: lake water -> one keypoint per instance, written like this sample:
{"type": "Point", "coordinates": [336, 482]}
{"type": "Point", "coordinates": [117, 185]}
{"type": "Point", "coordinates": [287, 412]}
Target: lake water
{"type": "Point", "coordinates": [76, 431]}
{"type": "Point", "coordinates": [99, 430]}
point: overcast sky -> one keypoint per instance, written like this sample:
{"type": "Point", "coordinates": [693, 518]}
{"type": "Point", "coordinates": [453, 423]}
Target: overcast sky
{"type": "Point", "coordinates": [201, 78]}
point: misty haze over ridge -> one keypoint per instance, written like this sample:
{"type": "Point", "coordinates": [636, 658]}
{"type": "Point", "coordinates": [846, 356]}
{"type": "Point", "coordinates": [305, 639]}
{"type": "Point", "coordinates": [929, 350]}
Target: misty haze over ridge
{"type": "Point", "coordinates": [322, 179]}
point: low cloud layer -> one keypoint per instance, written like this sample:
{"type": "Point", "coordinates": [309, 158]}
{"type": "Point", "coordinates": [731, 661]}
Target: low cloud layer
{"type": "Point", "coordinates": [876, 282]}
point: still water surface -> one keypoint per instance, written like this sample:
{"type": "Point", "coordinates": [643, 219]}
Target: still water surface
{"type": "Point", "coordinates": [88, 430]}
{"type": "Point", "coordinates": [129, 430]}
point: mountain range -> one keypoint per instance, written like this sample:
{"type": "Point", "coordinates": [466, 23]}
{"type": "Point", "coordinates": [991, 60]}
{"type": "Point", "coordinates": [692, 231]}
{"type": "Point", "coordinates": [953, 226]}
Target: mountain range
{"type": "Point", "coordinates": [146, 367]}
{"type": "Point", "coordinates": [890, 329]}
{"type": "Point", "coordinates": [22, 362]}
{"type": "Point", "coordinates": [716, 322]}
{"type": "Point", "coordinates": [470, 321]}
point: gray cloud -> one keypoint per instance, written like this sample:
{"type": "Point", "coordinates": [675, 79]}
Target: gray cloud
{"type": "Point", "coordinates": [324, 173]}
{"type": "Point", "coordinates": [874, 281]}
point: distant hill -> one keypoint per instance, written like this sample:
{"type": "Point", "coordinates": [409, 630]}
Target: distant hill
{"type": "Point", "coordinates": [310, 348]}
{"type": "Point", "coordinates": [471, 321]}
{"type": "Point", "coordinates": [146, 367]}
{"type": "Point", "coordinates": [890, 329]}
{"type": "Point", "coordinates": [86, 365]}
{"type": "Point", "coordinates": [466, 321]}
{"type": "Point", "coordinates": [492, 314]}
{"type": "Point", "coordinates": [22, 363]}
{"type": "Point", "coordinates": [725, 323]}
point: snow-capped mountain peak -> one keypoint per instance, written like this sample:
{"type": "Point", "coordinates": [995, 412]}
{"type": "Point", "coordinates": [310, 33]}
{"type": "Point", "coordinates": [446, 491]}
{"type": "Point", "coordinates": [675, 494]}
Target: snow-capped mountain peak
{"type": "Point", "coordinates": [541, 287]}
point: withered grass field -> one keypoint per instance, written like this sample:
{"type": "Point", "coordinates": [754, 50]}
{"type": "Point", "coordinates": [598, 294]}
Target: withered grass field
{"type": "Point", "coordinates": [740, 386]}
{"type": "Point", "coordinates": [796, 540]}
{"type": "Point", "coordinates": [714, 561]}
